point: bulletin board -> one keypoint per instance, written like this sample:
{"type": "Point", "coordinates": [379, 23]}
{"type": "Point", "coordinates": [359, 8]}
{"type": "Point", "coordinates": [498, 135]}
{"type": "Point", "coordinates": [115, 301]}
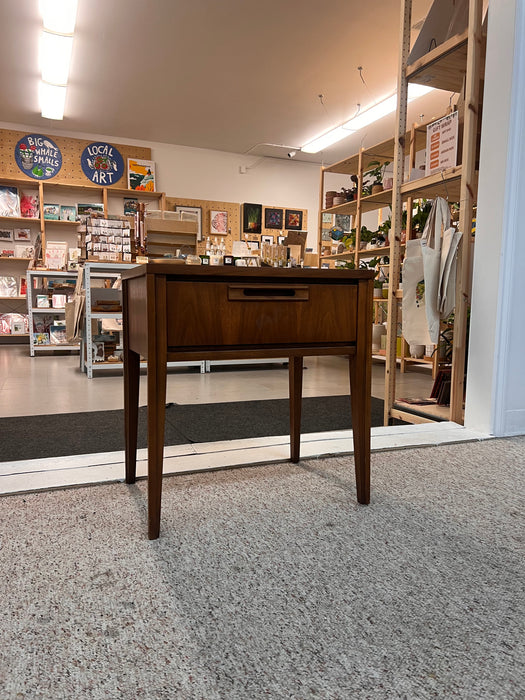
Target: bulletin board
{"type": "Point", "coordinates": [71, 149]}
{"type": "Point", "coordinates": [212, 225]}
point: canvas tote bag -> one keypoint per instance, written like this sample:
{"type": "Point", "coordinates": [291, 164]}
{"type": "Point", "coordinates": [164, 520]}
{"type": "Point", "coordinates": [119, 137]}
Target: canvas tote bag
{"type": "Point", "coordinates": [437, 223]}
{"type": "Point", "coordinates": [414, 319]}
{"type": "Point", "coordinates": [74, 311]}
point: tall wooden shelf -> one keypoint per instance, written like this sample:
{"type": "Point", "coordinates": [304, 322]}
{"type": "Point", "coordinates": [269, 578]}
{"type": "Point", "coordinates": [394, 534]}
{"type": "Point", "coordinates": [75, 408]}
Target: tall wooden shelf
{"type": "Point", "coordinates": [455, 65]}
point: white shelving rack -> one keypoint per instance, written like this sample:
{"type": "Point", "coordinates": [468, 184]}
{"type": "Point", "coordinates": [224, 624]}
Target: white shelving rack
{"type": "Point", "coordinates": [107, 270]}
{"type": "Point", "coordinates": [35, 311]}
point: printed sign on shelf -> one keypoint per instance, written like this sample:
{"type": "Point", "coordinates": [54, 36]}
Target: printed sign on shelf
{"type": "Point", "coordinates": [442, 144]}
{"type": "Point", "coordinates": [102, 163]}
{"type": "Point", "coordinates": [38, 156]}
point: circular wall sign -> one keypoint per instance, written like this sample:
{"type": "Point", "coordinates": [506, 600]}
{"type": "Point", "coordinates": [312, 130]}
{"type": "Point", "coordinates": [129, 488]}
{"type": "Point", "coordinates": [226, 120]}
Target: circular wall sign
{"type": "Point", "coordinates": [102, 163]}
{"type": "Point", "coordinates": [38, 156]}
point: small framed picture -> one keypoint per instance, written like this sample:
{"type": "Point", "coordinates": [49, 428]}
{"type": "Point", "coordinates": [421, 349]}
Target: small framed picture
{"type": "Point", "coordinates": [294, 219]}
{"type": "Point", "coordinates": [228, 260]}
{"type": "Point", "coordinates": [251, 218]}
{"type": "Point", "coordinates": [192, 213]}
{"type": "Point", "coordinates": [18, 327]}
{"type": "Point", "coordinates": [22, 234]}
{"type": "Point", "coordinates": [267, 239]}
{"type": "Point", "coordinates": [6, 235]}
{"type": "Point", "coordinates": [273, 218]}
{"type": "Point", "coordinates": [205, 259]}
{"type": "Point", "coordinates": [218, 223]}
{"type": "Point", "coordinates": [281, 240]}
{"type": "Point", "coordinates": [41, 338]}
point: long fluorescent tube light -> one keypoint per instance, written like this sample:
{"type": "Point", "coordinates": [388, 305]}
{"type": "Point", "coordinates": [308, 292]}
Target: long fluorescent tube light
{"type": "Point", "coordinates": [52, 100]}
{"type": "Point", "coordinates": [55, 56]}
{"type": "Point", "coordinates": [377, 111]}
{"type": "Point", "coordinates": [59, 15]}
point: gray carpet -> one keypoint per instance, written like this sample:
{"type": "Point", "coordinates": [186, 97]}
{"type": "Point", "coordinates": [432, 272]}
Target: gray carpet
{"type": "Point", "coordinates": [271, 582]}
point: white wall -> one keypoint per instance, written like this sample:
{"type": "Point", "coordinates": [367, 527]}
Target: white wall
{"type": "Point", "coordinates": [496, 378]}
{"type": "Point", "coordinates": [198, 173]}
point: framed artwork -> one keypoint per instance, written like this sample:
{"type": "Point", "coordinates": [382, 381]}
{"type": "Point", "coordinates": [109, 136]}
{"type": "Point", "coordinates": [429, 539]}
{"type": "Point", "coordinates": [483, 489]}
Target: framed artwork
{"type": "Point", "coordinates": [327, 219]}
{"type": "Point", "coordinates": [293, 219]}
{"type": "Point", "coordinates": [219, 223]}
{"type": "Point", "coordinates": [68, 212]}
{"type": "Point", "coordinates": [273, 218]}
{"type": "Point", "coordinates": [267, 239]}
{"type": "Point", "coordinates": [343, 221]}
{"type": "Point", "coordinates": [41, 338]}
{"type": "Point", "coordinates": [192, 214]}
{"type": "Point", "coordinates": [88, 209]}
{"type": "Point", "coordinates": [22, 234]}
{"type": "Point", "coordinates": [52, 212]}
{"type": "Point", "coordinates": [141, 175]}
{"type": "Point", "coordinates": [6, 235]}
{"type": "Point", "coordinates": [251, 218]}
{"type": "Point", "coordinates": [281, 240]}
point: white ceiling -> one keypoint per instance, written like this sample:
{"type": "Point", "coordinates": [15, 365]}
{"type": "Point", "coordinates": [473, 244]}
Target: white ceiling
{"type": "Point", "coordinates": [221, 74]}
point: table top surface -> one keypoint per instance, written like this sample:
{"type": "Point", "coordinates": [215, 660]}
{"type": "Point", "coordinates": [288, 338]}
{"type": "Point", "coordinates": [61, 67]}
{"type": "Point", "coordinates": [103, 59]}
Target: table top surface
{"type": "Point", "coordinates": [246, 273]}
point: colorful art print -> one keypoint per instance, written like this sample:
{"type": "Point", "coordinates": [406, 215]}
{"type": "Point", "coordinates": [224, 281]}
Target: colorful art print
{"type": "Point", "coordinates": [327, 219]}
{"type": "Point", "coordinates": [141, 175]}
{"type": "Point", "coordinates": [29, 208]}
{"type": "Point", "coordinates": [6, 234]}
{"type": "Point", "coordinates": [7, 252]}
{"type": "Point", "coordinates": [9, 201]}
{"type": "Point", "coordinates": [102, 163]}
{"type": "Point", "coordinates": [195, 215]}
{"type": "Point", "coordinates": [251, 218]}
{"type": "Point", "coordinates": [343, 221]}
{"type": "Point", "coordinates": [273, 218]}
{"type": "Point", "coordinates": [41, 338]}
{"type": "Point", "coordinates": [130, 206]}
{"type": "Point", "coordinates": [87, 209]}
{"type": "Point", "coordinates": [219, 222]}
{"type": "Point", "coordinates": [22, 234]}
{"type": "Point", "coordinates": [57, 335]}
{"type": "Point", "coordinates": [293, 219]}
{"type": "Point", "coordinates": [52, 212]}
{"type": "Point", "coordinates": [38, 156]}
{"type": "Point", "coordinates": [68, 212]}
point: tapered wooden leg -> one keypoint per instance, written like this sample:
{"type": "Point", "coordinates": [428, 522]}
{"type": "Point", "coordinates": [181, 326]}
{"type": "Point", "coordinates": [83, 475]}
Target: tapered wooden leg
{"type": "Point", "coordinates": [295, 375]}
{"type": "Point", "coordinates": [361, 406]}
{"type": "Point", "coordinates": [156, 418]}
{"type": "Point", "coordinates": [131, 411]}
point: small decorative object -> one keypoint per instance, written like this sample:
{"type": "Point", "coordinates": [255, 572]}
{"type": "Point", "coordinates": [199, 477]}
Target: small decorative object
{"type": "Point", "coordinates": [68, 212]}
{"type": "Point", "coordinates": [141, 175]}
{"type": "Point", "coordinates": [38, 156]}
{"type": "Point", "coordinates": [417, 351]}
{"type": "Point", "coordinates": [293, 220]}
{"type": "Point", "coordinates": [42, 301]}
{"type": "Point", "coordinates": [41, 338]}
{"type": "Point", "coordinates": [9, 201]}
{"type": "Point", "coordinates": [102, 163]}
{"type": "Point", "coordinates": [52, 212]}
{"type": "Point", "coordinates": [251, 218]}
{"type": "Point", "coordinates": [273, 218]}
{"type": "Point", "coordinates": [192, 214]}
{"type": "Point", "coordinates": [228, 260]}
{"type": "Point", "coordinates": [219, 223]}
{"type": "Point", "coordinates": [6, 235]}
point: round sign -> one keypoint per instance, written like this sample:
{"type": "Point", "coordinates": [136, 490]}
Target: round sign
{"type": "Point", "coordinates": [102, 163]}
{"type": "Point", "coordinates": [38, 156]}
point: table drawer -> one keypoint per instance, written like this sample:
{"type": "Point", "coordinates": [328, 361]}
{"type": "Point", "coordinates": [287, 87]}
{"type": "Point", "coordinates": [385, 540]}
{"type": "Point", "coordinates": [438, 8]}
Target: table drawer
{"type": "Point", "coordinates": [207, 314]}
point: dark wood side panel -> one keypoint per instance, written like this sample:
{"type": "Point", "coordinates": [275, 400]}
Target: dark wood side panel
{"type": "Point", "coordinates": [138, 316]}
{"type": "Point", "coordinates": [202, 314]}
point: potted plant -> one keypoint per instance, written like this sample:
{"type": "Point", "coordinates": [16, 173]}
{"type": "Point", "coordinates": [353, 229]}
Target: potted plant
{"type": "Point", "coordinates": [376, 172]}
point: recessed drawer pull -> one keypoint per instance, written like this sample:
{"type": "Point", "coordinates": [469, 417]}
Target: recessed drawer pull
{"type": "Point", "coordinates": [266, 292]}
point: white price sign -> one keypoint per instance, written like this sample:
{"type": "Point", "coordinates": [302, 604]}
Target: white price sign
{"type": "Point", "coordinates": [442, 144]}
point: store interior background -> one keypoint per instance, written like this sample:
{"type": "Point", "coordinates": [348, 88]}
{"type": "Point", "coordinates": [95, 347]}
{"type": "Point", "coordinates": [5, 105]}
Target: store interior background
{"type": "Point", "coordinates": [245, 41]}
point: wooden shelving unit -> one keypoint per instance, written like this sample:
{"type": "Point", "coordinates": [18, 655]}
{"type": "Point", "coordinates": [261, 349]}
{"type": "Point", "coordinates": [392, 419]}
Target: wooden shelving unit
{"type": "Point", "coordinates": [454, 65]}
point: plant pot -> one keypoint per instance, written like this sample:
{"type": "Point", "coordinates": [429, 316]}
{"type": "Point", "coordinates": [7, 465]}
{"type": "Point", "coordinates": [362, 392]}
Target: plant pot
{"type": "Point", "coordinates": [378, 330]}
{"type": "Point", "coordinates": [378, 293]}
{"type": "Point", "coordinates": [377, 188]}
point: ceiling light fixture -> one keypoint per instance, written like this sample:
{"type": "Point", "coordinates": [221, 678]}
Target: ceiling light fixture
{"type": "Point", "coordinates": [56, 43]}
{"type": "Point", "coordinates": [370, 115]}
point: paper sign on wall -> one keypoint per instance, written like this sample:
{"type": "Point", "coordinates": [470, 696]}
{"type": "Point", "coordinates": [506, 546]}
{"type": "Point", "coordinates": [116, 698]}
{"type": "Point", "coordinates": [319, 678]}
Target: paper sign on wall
{"type": "Point", "coordinates": [442, 144]}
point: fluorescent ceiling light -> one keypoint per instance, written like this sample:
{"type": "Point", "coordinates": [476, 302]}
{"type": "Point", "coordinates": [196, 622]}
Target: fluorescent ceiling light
{"type": "Point", "coordinates": [59, 15]}
{"type": "Point", "coordinates": [370, 115]}
{"type": "Point", "coordinates": [55, 56]}
{"type": "Point", "coordinates": [325, 140]}
{"type": "Point", "coordinates": [52, 100]}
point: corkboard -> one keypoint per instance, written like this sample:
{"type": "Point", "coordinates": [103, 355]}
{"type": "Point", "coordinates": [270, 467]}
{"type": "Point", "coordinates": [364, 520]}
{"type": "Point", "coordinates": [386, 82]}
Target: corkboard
{"type": "Point", "coordinates": [234, 221]}
{"type": "Point", "coordinates": [71, 171]}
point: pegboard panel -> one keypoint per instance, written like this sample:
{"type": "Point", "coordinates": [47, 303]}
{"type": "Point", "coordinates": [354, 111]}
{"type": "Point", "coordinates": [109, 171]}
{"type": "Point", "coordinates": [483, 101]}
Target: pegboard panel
{"type": "Point", "coordinates": [71, 171]}
{"type": "Point", "coordinates": [233, 227]}
{"type": "Point", "coordinates": [273, 233]}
